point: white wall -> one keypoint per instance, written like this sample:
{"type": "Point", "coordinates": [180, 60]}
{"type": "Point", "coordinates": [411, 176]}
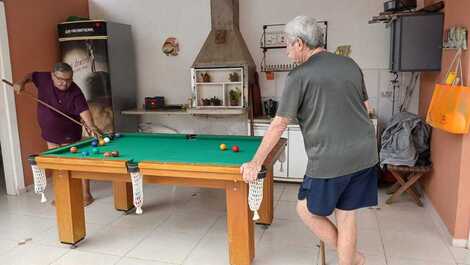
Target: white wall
{"type": "Point", "coordinates": [189, 21]}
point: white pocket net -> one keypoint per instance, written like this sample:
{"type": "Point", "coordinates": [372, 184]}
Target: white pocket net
{"type": "Point", "coordinates": [39, 178]}
{"type": "Point", "coordinates": [255, 196]}
{"type": "Point", "coordinates": [137, 188]}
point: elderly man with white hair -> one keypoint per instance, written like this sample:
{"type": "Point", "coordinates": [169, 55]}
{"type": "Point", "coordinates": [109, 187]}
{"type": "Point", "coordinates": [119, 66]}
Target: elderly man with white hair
{"type": "Point", "coordinates": [326, 95]}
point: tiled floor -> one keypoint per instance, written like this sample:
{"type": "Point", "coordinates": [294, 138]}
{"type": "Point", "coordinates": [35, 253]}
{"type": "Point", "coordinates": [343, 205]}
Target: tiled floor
{"type": "Point", "coordinates": [187, 226]}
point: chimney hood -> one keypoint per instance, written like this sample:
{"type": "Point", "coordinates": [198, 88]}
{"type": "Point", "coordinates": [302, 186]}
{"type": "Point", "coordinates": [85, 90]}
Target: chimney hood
{"type": "Point", "coordinates": [225, 46]}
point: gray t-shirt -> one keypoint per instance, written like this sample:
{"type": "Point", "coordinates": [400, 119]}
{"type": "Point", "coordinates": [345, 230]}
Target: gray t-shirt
{"type": "Point", "coordinates": [326, 96]}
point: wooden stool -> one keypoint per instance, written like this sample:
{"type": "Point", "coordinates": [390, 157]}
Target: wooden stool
{"type": "Point", "coordinates": [406, 177]}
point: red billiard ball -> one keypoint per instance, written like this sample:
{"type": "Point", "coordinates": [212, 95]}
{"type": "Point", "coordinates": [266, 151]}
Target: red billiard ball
{"type": "Point", "coordinates": [235, 148]}
{"type": "Point", "coordinates": [73, 149]}
{"type": "Point", "coordinates": [107, 154]}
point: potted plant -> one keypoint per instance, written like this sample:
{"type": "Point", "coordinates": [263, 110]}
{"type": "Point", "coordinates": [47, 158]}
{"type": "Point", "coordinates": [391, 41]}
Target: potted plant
{"type": "Point", "coordinates": [214, 101]}
{"type": "Point", "coordinates": [235, 95]}
{"type": "Point", "coordinates": [234, 77]}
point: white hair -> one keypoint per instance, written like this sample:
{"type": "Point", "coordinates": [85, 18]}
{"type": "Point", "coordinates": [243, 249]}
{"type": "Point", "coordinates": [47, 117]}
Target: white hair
{"type": "Point", "coordinates": [306, 29]}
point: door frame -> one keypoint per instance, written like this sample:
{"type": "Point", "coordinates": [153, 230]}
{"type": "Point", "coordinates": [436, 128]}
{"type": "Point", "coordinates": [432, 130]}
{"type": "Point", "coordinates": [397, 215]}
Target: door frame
{"type": "Point", "coordinates": [9, 136]}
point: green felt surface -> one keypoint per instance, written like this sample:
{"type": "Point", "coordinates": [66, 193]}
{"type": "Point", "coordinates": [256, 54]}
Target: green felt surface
{"type": "Point", "coordinates": [168, 148]}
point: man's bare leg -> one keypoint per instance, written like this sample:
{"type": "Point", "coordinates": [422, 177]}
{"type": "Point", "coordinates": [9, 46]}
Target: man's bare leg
{"type": "Point", "coordinates": [347, 238]}
{"type": "Point", "coordinates": [324, 229]}
{"type": "Point", "coordinates": [87, 197]}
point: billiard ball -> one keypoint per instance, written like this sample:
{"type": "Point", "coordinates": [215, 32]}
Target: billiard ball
{"type": "Point", "coordinates": [85, 153]}
{"type": "Point", "coordinates": [115, 153]}
{"type": "Point", "coordinates": [223, 147]}
{"type": "Point", "coordinates": [235, 148]}
{"type": "Point", "coordinates": [102, 142]}
{"type": "Point", "coordinates": [95, 150]}
{"type": "Point", "coordinates": [73, 149]}
{"type": "Point", "coordinates": [106, 139]}
{"type": "Point", "coordinates": [111, 136]}
{"type": "Point", "coordinates": [117, 135]}
{"type": "Point", "coordinates": [107, 154]}
{"type": "Point", "coordinates": [94, 143]}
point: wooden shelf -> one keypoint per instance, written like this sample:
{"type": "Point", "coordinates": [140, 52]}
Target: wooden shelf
{"type": "Point", "coordinates": [154, 112]}
{"type": "Point", "coordinates": [216, 110]}
{"type": "Point", "coordinates": [219, 83]}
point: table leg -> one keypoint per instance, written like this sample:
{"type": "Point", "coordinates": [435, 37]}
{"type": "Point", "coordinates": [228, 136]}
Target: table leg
{"type": "Point", "coordinates": [239, 224]}
{"type": "Point", "coordinates": [266, 209]}
{"type": "Point", "coordinates": [122, 192]}
{"type": "Point", "coordinates": [87, 197]}
{"type": "Point", "coordinates": [69, 207]}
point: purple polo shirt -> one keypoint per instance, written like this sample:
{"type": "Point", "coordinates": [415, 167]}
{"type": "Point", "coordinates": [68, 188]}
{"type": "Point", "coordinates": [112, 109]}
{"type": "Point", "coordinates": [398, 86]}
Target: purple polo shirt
{"type": "Point", "coordinates": [56, 128]}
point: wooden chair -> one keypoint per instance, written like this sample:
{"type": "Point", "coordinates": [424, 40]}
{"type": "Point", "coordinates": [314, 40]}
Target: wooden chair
{"type": "Point", "coordinates": [407, 177]}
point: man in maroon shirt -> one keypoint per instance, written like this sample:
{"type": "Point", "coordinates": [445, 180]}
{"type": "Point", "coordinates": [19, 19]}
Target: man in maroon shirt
{"type": "Point", "coordinates": [57, 89]}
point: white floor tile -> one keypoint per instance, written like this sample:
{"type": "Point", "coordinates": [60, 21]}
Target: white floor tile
{"type": "Point", "coordinates": [20, 227]}
{"type": "Point", "coordinates": [197, 224]}
{"type": "Point", "coordinates": [50, 237]}
{"type": "Point", "coordinates": [331, 258]}
{"type": "Point", "coordinates": [182, 225]}
{"type": "Point", "coordinates": [30, 254]}
{"type": "Point", "coordinates": [6, 246]}
{"type": "Point", "coordinates": [461, 255]}
{"type": "Point", "coordinates": [421, 246]}
{"type": "Point", "coordinates": [76, 257]}
{"type": "Point", "coordinates": [166, 246]}
{"type": "Point", "coordinates": [286, 210]}
{"type": "Point", "coordinates": [396, 218]}
{"type": "Point", "coordinates": [133, 261]}
{"type": "Point", "coordinates": [212, 250]}
{"type": "Point", "coordinates": [102, 214]}
{"type": "Point", "coordinates": [290, 192]}
{"type": "Point", "coordinates": [152, 217]}
{"type": "Point", "coordinates": [401, 261]}
{"type": "Point", "coordinates": [273, 255]}
{"type": "Point", "coordinates": [284, 233]}
{"type": "Point", "coordinates": [366, 218]}
{"type": "Point", "coordinates": [278, 190]}
{"type": "Point", "coordinates": [114, 240]}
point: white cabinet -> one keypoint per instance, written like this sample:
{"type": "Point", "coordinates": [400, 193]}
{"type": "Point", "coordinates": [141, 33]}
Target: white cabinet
{"type": "Point", "coordinates": [297, 158]}
{"type": "Point", "coordinates": [280, 169]}
{"type": "Point", "coordinates": [294, 166]}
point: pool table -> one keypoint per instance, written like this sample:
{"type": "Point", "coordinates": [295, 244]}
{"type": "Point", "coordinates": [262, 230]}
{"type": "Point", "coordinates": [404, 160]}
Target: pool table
{"type": "Point", "coordinates": [175, 159]}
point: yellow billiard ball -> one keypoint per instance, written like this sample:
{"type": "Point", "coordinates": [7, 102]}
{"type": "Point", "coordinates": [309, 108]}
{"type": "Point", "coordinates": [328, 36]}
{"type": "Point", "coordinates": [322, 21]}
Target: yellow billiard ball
{"type": "Point", "coordinates": [102, 142]}
{"type": "Point", "coordinates": [223, 147]}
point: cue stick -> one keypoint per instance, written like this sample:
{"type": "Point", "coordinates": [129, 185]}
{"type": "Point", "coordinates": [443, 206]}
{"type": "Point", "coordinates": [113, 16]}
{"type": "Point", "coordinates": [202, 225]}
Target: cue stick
{"type": "Point", "coordinates": [50, 107]}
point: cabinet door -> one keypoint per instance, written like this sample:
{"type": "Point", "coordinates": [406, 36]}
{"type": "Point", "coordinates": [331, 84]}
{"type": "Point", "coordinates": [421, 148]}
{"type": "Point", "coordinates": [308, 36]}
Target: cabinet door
{"type": "Point", "coordinates": [297, 156]}
{"type": "Point", "coordinates": [280, 167]}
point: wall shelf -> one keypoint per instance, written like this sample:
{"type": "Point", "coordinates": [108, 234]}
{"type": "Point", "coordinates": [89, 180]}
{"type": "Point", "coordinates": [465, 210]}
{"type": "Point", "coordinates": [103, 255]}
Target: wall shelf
{"type": "Point", "coordinates": [273, 37]}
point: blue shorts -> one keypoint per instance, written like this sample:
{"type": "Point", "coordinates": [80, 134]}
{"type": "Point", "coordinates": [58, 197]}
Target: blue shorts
{"type": "Point", "coordinates": [349, 192]}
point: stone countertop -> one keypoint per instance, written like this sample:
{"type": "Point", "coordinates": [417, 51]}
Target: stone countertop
{"type": "Point", "coordinates": [267, 120]}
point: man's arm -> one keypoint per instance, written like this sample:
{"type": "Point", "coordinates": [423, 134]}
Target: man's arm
{"type": "Point", "coordinates": [88, 119]}
{"type": "Point", "coordinates": [20, 85]}
{"type": "Point", "coordinates": [271, 137]}
{"type": "Point", "coordinates": [366, 103]}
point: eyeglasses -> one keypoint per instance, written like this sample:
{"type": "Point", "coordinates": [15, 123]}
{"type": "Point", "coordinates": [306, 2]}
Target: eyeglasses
{"type": "Point", "coordinates": [67, 80]}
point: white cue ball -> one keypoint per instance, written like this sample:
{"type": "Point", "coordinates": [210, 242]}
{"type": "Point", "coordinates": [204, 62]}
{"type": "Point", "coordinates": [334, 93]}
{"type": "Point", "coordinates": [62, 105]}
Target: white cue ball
{"type": "Point", "coordinates": [106, 139]}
